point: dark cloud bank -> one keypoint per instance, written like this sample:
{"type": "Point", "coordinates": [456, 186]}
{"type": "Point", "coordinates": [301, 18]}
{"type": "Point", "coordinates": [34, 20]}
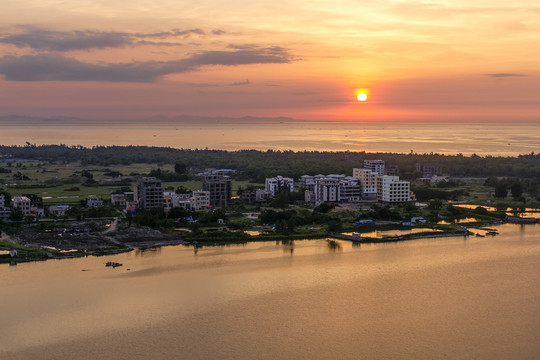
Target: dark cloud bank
{"type": "Point", "coordinates": [53, 67]}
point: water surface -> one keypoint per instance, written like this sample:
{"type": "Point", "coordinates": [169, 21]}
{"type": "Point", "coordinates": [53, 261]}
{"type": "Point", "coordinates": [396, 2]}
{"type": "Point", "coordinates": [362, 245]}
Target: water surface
{"type": "Point", "coordinates": [440, 298]}
{"type": "Point", "coordinates": [504, 139]}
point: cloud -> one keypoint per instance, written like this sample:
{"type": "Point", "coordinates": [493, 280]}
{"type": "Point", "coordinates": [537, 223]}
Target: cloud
{"type": "Point", "coordinates": [503, 75]}
{"type": "Point", "coordinates": [45, 40]}
{"type": "Point", "coordinates": [64, 41]}
{"type": "Point", "coordinates": [47, 67]}
{"type": "Point", "coordinates": [240, 83]}
{"type": "Point", "coordinates": [276, 55]}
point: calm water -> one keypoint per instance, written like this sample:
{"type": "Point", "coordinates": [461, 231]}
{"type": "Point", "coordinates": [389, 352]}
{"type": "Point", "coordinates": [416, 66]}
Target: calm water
{"type": "Point", "coordinates": [447, 298]}
{"type": "Point", "coordinates": [448, 138]}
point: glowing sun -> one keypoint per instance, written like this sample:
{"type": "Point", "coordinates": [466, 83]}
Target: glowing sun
{"type": "Point", "coordinates": [361, 97]}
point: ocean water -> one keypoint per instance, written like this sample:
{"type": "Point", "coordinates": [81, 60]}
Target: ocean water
{"type": "Point", "coordinates": [437, 298]}
{"type": "Point", "coordinates": [498, 139]}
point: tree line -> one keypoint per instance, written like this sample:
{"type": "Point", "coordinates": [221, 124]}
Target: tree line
{"type": "Point", "coordinates": [253, 165]}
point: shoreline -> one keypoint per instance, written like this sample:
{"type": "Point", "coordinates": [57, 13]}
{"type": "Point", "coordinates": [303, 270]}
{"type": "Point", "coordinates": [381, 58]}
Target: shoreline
{"type": "Point", "coordinates": [28, 253]}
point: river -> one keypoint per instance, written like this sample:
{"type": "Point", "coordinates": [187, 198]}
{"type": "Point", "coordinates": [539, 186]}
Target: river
{"type": "Point", "coordinates": [437, 298]}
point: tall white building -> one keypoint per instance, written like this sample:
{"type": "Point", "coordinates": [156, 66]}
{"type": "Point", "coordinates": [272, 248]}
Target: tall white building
{"type": "Point", "coordinates": [376, 166]}
{"type": "Point", "coordinates": [275, 184]}
{"type": "Point", "coordinates": [392, 191]}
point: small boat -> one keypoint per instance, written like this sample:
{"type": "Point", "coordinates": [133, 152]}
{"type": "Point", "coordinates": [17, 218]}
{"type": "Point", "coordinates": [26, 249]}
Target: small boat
{"type": "Point", "coordinates": [113, 264]}
{"type": "Point", "coordinates": [492, 233]}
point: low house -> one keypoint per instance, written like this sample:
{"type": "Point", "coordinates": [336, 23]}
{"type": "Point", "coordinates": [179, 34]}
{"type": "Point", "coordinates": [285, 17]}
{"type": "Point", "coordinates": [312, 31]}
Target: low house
{"type": "Point", "coordinates": [58, 210]}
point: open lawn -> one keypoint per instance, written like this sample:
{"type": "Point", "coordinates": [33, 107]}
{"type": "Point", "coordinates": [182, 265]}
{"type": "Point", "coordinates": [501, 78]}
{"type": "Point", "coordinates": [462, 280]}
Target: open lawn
{"type": "Point", "coordinates": [62, 183]}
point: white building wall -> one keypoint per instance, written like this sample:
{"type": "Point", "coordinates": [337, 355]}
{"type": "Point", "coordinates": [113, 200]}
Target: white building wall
{"type": "Point", "coordinates": [391, 190]}
{"type": "Point", "coordinates": [22, 203]}
{"type": "Point", "coordinates": [273, 185]}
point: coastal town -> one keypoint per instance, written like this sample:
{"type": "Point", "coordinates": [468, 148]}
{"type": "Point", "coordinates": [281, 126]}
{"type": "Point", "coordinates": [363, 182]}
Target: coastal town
{"type": "Point", "coordinates": [370, 204]}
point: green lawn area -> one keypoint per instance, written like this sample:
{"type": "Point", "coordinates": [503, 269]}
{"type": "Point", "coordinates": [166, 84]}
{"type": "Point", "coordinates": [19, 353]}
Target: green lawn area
{"type": "Point", "coordinates": [45, 177]}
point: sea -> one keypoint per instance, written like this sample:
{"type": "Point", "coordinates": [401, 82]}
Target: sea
{"type": "Point", "coordinates": [437, 298]}
{"type": "Point", "coordinates": [483, 139]}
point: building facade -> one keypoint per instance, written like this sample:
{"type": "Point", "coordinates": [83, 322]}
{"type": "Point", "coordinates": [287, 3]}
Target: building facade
{"type": "Point", "coordinates": [200, 200]}
{"type": "Point", "coordinates": [368, 181]}
{"type": "Point", "coordinates": [275, 184]}
{"type": "Point", "coordinates": [150, 193]}
{"type": "Point", "coordinates": [392, 191]}
{"type": "Point", "coordinates": [376, 166]}
{"type": "Point", "coordinates": [326, 190]}
{"type": "Point", "coordinates": [22, 203]}
{"type": "Point", "coordinates": [219, 187]}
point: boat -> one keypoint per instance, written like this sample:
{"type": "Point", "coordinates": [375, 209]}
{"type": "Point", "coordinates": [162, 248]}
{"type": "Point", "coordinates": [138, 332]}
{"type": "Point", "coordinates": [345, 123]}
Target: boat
{"type": "Point", "coordinates": [113, 264]}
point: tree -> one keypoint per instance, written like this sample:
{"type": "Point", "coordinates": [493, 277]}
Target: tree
{"type": "Point", "coordinates": [16, 214]}
{"type": "Point", "coordinates": [501, 191]}
{"type": "Point", "coordinates": [180, 169]}
{"type": "Point", "coordinates": [516, 189]}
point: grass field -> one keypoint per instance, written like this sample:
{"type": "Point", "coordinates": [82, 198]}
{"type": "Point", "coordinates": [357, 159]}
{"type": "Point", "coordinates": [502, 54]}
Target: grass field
{"type": "Point", "coordinates": [56, 183]}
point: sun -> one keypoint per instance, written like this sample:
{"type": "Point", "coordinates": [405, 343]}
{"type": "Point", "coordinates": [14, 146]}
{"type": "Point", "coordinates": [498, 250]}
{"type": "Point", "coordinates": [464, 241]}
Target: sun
{"type": "Point", "coordinates": [362, 94]}
{"type": "Point", "coordinates": [361, 97]}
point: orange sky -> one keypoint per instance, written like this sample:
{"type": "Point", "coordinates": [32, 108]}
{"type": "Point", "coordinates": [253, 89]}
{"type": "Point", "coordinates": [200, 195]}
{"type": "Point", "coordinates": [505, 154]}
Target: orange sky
{"type": "Point", "coordinates": [427, 61]}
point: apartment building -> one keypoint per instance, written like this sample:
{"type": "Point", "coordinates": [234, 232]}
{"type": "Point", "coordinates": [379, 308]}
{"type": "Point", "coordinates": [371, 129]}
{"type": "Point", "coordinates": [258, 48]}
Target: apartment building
{"type": "Point", "coordinates": [392, 191]}
{"type": "Point", "coordinates": [200, 200]}
{"type": "Point", "coordinates": [22, 203]}
{"type": "Point", "coordinates": [149, 193]}
{"type": "Point", "coordinates": [376, 166]}
{"type": "Point", "coordinates": [219, 187]}
{"type": "Point", "coordinates": [275, 184]}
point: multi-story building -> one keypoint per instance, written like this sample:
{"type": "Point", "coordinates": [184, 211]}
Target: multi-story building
{"type": "Point", "coordinates": [392, 170]}
{"type": "Point", "coordinates": [219, 187]}
{"type": "Point", "coordinates": [375, 166]}
{"type": "Point", "coordinates": [94, 202]}
{"type": "Point", "coordinates": [22, 203]}
{"type": "Point", "coordinates": [392, 191]}
{"type": "Point", "coordinates": [429, 170]}
{"type": "Point", "coordinates": [368, 181]}
{"type": "Point", "coordinates": [35, 200]}
{"type": "Point", "coordinates": [118, 200]}
{"type": "Point", "coordinates": [275, 184]}
{"type": "Point", "coordinates": [326, 190]}
{"type": "Point", "coordinates": [5, 213]}
{"type": "Point", "coordinates": [149, 193]}
{"type": "Point", "coordinates": [2, 201]}
{"type": "Point", "coordinates": [350, 190]}
{"type": "Point", "coordinates": [200, 200]}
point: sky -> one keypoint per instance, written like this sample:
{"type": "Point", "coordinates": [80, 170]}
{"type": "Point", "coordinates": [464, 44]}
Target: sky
{"type": "Point", "coordinates": [417, 60]}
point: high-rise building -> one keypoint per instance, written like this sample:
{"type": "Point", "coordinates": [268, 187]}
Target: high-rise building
{"type": "Point", "coordinates": [150, 193]}
{"type": "Point", "coordinates": [219, 187]}
{"type": "Point", "coordinates": [375, 166]}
